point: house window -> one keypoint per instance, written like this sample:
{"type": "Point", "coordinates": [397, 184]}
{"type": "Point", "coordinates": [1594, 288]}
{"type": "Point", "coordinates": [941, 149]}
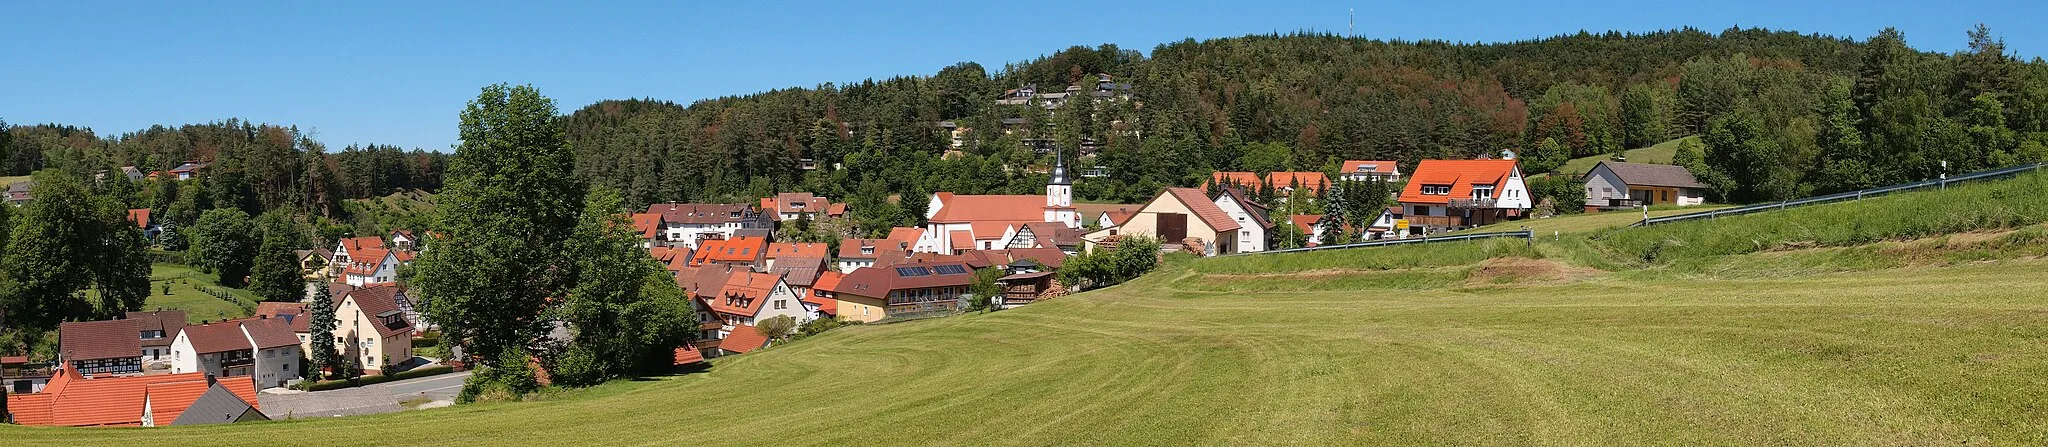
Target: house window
{"type": "Point", "coordinates": [1436, 190]}
{"type": "Point", "coordinates": [781, 304]}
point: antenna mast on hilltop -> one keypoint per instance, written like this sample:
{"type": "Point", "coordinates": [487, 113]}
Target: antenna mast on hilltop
{"type": "Point", "coordinates": [1351, 25]}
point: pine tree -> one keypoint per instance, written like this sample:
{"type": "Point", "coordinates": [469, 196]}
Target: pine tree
{"type": "Point", "coordinates": [275, 275]}
{"type": "Point", "coordinates": [321, 329]}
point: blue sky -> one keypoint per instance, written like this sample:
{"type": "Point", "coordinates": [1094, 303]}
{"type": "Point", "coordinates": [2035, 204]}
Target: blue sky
{"type": "Point", "coordinates": [399, 72]}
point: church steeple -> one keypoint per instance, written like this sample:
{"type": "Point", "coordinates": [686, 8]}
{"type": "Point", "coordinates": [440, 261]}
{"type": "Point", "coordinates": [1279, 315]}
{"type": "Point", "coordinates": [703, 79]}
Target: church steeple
{"type": "Point", "coordinates": [1059, 194]}
{"type": "Point", "coordinates": [1059, 168]}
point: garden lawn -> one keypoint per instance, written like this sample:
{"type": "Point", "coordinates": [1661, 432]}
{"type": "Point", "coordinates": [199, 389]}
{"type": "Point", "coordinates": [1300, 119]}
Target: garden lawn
{"type": "Point", "coordinates": [185, 294]}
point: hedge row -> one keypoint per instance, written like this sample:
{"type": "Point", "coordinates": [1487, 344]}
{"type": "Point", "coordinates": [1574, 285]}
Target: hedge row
{"type": "Point", "coordinates": [373, 380]}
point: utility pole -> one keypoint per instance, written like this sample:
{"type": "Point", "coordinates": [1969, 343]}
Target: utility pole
{"type": "Point", "coordinates": [1351, 25]}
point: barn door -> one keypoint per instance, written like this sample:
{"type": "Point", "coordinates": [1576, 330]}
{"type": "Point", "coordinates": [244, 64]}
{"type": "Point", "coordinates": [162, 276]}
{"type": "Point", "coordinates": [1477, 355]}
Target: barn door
{"type": "Point", "coordinates": [1173, 227]}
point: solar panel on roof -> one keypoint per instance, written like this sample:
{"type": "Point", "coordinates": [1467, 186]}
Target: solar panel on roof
{"type": "Point", "coordinates": [950, 269]}
{"type": "Point", "coordinates": [912, 271]}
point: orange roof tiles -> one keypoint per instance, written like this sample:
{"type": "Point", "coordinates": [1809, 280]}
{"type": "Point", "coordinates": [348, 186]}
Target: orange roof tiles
{"type": "Point", "coordinates": [1460, 175]}
{"type": "Point", "coordinates": [978, 208]}
{"type": "Point", "coordinates": [908, 236]}
{"type": "Point", "coordinates": [737, 250]}
{"type": "Point", "coordinates": [743, 339]}
{"type": "Point", "coordinates": [797, 250]}
{"type": "Point", "coordinates": [1204, 209]}
{"type": "Point", "coordinates": [688, 354]}
{"type": "Point", "coordinates": [1372, 166]}
{"type": "Point", "coordinates": [118, 401]}
{"type": "Point", "coordinates": [647, 224]}
{"type": "Point", "coordinates": [140, 216]}
{"type": "Point", "coordinates": [743, 293]}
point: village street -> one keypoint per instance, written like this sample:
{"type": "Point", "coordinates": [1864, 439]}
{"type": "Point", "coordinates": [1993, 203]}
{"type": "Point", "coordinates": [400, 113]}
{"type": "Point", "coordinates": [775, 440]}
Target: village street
{"type": "Point", "coordinates": [368, 399]}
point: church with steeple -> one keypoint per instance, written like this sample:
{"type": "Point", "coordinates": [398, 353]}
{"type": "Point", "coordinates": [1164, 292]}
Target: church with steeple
{"type": "Point", "coordinates": [957, 222]}
{"type": "Point", "coordinates": [1059, 194]}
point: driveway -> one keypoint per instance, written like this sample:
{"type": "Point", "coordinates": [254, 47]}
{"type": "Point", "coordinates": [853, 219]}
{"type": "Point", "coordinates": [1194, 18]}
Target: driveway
{"type": "Point", "coordinates": [368, 399]}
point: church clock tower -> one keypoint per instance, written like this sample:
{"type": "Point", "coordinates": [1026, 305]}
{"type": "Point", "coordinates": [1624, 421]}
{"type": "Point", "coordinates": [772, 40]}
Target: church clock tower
{"type": "Point", "coordinates": [1059, 194]}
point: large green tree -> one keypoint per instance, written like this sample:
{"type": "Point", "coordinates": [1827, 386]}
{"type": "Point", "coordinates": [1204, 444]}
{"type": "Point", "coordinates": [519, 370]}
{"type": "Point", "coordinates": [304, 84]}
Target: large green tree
{"type": "Point", "coordinates": [225, 243]}
{"type": "Point", "coordinates": [508, 208]}
{"type": "Point", "coordinates": [619, 323]}
{"type": "Point", "coordinates": [64, 242]}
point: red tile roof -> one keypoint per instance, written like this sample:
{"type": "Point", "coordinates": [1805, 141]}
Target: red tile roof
{"type": "Point", "coordinates": [377, 301]}
{"type": "Point", "coordinates": [228, 335]}
{"type": "Point", "coordinates": [800, 202]}
{"type": "Point", "coordinates": [1313, 181]}
{"type": "Point", "coordinates": [87, 340]}
{"type": "Point", "coordinates": [1305, 222]}
{"type": "Point", "coordinates": [688, 354]}
{"type": "Point", "coordinates": [1460, 175]}
{"type": "Point", "coordinates": [168, 321]}
{"type": "Point", "coordinates": [354, 243]}
{"type": "Point", "coordinates": [1372, 166]}
{"type": "Point", "coordinates": [986, 208]}
{"type": "Point", "coordinates": [878, 282]}
{"type": "Point", "coordinates": [737, 250]}
{"type": "Point", "coordinates": [140, 216]}
{"type": "Point", "coordinates": [743, 294]}
{"type": "Point", "coordinates": [292, 313]}
{"type": "Point", "coordinates": [118, 401]}
{"type": "Point", "coordinates": [963, 240]}
{"type": "Point", "coordinates": [743, 339]}
{"type": "Point", "coordinates": [797, 250]}
{"type": "Point", "coordinates": [908, 236]}
{"type": "Point", "coordinates": [1204, 209]}
{"type": "Point", "coordinates": [647, 224]}
{"type": "Point", "coordinates": [365, 261]}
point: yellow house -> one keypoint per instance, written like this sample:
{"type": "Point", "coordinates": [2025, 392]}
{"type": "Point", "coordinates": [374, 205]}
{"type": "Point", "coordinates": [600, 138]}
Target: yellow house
{"type": "Point", "coordinates": [1176, 216]}
{"type": "Point", "coordinates": [372, 329]}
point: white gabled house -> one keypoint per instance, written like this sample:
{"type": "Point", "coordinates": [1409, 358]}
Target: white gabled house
{"type": "Point", "coordinates": [1253, 223]}
{"type": "Point", "coordinates": [261, 347]}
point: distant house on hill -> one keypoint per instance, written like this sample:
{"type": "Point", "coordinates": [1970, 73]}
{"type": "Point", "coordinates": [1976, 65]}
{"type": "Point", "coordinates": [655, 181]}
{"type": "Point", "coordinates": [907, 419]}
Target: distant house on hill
{"type": "Point", "coordinates": [1368, 170]}
{"type": "Point", "coordinates": [1284, 182]}
{"type": "Point", "coordinates": [689, 223]}
{"type": "Point", "coordinates": [1613, 184]}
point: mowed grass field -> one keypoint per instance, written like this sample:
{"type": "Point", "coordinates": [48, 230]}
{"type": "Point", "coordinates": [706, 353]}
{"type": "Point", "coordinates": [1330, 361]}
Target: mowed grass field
{"type": "Point", "coordinates": [1946, 355]}
{"type": "Point", "coordinates": [1659, 336]}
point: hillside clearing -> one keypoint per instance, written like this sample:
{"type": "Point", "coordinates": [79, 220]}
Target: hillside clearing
{"type": "Point", "coordinates": [1660, 153]}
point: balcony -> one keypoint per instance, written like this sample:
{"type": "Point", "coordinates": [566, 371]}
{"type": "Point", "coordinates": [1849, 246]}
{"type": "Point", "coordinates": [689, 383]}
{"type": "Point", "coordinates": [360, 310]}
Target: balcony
{"type": "Point", "coordinates": [1472, 203]}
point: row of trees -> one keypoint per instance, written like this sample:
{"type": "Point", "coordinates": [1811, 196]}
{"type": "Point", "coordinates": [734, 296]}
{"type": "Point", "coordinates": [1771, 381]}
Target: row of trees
{"type": "Point", "coordinates": [254, 167]}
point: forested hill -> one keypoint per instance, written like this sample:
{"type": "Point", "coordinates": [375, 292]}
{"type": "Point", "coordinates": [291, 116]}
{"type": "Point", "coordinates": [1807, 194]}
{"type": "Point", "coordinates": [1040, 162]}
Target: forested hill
{"type": "Point", "coordinates": [1782, 113]}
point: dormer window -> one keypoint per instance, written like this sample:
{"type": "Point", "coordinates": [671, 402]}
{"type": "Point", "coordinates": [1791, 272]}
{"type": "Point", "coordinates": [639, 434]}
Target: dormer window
{"type": "Point", "coordinates": [1437, 190]}
{"type": "Point", "coordinates": [1482, 191]}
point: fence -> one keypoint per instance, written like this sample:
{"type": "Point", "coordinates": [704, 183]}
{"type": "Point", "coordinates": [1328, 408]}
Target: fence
{"type": "Point", "coordinates": [1845, 196]}
{"type": "Point", "coordinates": [1524, 234]}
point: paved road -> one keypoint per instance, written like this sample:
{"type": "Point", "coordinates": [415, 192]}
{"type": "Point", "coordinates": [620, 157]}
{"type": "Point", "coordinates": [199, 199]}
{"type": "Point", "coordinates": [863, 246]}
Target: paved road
{"type": "Point", "coordinates": [368, 399]}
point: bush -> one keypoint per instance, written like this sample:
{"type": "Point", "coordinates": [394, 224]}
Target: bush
{"type": "Point", "coordinates": [819, 326]}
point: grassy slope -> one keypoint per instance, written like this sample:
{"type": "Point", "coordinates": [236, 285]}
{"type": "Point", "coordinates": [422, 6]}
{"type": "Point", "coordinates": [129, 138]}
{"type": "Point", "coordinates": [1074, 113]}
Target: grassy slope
{"type": "Point", "coordinates": [1585, 222]}
{"type": "Point", "coordinates": [8, 180]}
{"type": "Point", "coordinates": [185, 294]}
{"type": "Point", "coordinates": [1502, 343]}
{"type": "Point", "coordinates": [1659, 153]}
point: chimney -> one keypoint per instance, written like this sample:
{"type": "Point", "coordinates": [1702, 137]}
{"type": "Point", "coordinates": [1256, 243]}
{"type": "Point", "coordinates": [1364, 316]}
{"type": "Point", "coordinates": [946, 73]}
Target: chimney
{"type": "Point", "coordinates": [210, 380]}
